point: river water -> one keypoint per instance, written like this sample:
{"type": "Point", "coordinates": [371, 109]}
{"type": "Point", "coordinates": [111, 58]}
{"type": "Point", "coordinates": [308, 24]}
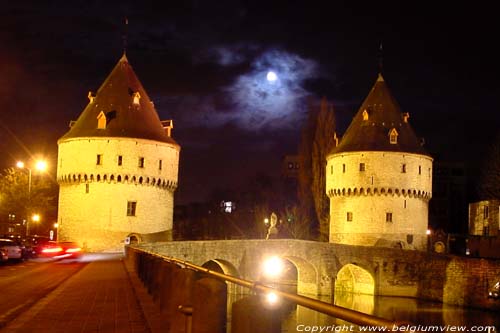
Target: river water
{"type": "Point", "coordinates": [431, 316]}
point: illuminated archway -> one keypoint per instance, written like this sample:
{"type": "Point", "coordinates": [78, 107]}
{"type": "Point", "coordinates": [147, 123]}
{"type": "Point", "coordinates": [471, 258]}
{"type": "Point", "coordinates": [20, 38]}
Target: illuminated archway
{"type": "Point", "coordinates": [354, 289]}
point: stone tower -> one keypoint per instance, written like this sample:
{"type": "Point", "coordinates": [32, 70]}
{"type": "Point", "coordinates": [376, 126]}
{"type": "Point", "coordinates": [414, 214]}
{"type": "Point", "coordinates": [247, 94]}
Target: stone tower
{"type": "Point", "coordinates": [379, 178]}
{"type": "Point", "coordinates": [117, 168]}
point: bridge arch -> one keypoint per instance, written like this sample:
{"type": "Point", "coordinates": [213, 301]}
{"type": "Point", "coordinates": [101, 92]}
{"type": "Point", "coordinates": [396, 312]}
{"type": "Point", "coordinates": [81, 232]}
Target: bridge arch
{"type": "Point", "coordinates": [355, 288]}
{"type": "Point", "coordinates": [305, 274]}
{"type": "Point", "coordinates": [224, 267]}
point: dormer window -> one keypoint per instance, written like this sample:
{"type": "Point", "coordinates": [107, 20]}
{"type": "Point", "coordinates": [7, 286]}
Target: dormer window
{"type": "Point", "coordinates": [91, 97]}
{"type": "Point", "coordinates": [101, 120]}
{"type": "Point", "coordinates": [136, 98]}
{"type": "Point", "coordinates": [167, 126]}
{"type": "Point", "coordinates": [365, 115]}
{"type": "Point", "coordinates": [393, 136]}
{"type": "Point", "coordinates": [406, 116]}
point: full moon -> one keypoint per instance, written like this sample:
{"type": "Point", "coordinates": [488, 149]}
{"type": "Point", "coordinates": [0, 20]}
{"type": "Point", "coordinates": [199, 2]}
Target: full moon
{"type": "Point", "coordinates": [271, 76]}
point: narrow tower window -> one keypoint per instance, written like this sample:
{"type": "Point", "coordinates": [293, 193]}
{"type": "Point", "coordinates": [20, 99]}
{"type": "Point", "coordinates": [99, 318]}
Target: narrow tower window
{"type": "Point", "coordinates": [160, 162]}
{"type": "Point", "coordinates": [131, 207]}
{"type": "Point", "coordinates": [403, 168]}
{"type": "Point", "coordinates": [486, 212]}
{"type": "Point", "coordinates": [388, 217]}
{"type": "Point", "coordinates": [331, 169]}
{"type": "Point", "coordinates": [87, 188]}
{"type": "Point", "coordinates": [419, 169]}
{"type": "Point", "coordinates": [349, 216]}
{"type": "Point", "coordinates": [120, 159]}
{"type": "Point", "coordinates": [343, 168]}
{"type": "Point", "coordinates": [362, 167]}
{"type": "Point", "coordinates": [99, 159]}
{"type": "Point", "coordinates": [141, 162]}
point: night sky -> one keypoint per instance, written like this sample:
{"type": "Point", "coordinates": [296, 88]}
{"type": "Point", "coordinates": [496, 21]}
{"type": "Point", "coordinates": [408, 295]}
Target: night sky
{"type": "Point", "coordinates": [204, 64]}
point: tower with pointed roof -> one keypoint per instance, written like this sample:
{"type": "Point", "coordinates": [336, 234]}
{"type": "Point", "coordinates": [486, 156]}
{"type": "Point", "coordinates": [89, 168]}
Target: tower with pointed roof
{"type": "Point", "coordinates": [117, 168]}
{"type": "Point", "coordinates": [379, 178]}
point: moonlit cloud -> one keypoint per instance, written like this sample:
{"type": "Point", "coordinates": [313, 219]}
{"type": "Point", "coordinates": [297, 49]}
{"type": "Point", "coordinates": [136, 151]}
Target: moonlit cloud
{"type": "Point", "coordinates": [258, 103]}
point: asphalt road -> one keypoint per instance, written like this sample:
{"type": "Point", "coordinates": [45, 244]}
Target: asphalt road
{"type": "Point", "coordinates": [22, 284]}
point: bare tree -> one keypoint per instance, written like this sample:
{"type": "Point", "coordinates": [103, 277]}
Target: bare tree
{"type": "Point", "coordinates": [318, 139]}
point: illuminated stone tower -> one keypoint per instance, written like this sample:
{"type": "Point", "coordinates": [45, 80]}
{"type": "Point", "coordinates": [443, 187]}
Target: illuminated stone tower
{"type": "Point", "coordinates": [379, 178]}
{"type": "Point", "coordinates": [117, 168]}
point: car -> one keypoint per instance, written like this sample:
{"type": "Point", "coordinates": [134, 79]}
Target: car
{"type": "Point", "coordinates": [3, 255]}
{"type": "Point", "coordinates": [14, 249]}
{"type": "Point", "coordinates": [64, 249]}
{"type": "Point", "coordinates": [494, 291]}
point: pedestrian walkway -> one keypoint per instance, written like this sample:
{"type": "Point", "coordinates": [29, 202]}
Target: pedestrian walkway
{"type": "Point", "coordinates": [101, 297]}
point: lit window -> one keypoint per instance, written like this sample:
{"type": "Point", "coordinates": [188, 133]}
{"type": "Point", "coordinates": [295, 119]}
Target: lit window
{"type": "Point", "coordinates": [120, 159]}
{"type": "Point", "coordinates": [388, 217]}
{"type": "Point", "coordinates": [160, 162]}
{"type": "Point", "coordinates": [99, 159]}
{"type": "Point", "coordinates": [365, 115]}
{"type": "Point", "coordinates": [131, 207]}
{"type": "Point", "coordinates": [101, 120]}
{"type": "Point", "coordinates": [290, 165]}
{"type": "Point", "coordinates": [393, 136]}
{"type": "Point", "coordinates": [349, 216]}
{"type": "Point", "coordinates": [141, 162]}
{"type": "Point", "coordinates": [362, 167]}
{"type": "Point", "coordinates": [136, 98]}
{"type": "Point", "coordinates": [403, 168]}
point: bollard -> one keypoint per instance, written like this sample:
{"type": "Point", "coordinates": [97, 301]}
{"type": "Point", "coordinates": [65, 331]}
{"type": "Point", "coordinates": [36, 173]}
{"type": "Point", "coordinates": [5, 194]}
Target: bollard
{"type": "Point", "coordinates": [251, 314]}
{"type": "Point", "coordinates": [209, 306]}
{"type": "Point", "coordinates": [184, 280]}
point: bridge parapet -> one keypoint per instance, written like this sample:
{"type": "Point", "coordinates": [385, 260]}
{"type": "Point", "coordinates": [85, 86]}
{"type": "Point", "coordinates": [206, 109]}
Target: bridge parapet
{"type": "Point", "coordinates": [396, 272]}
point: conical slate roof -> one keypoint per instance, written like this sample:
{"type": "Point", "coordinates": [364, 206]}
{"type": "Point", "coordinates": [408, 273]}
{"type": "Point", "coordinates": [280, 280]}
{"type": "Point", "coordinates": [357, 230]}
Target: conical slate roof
{"type": "Point", "coordinates": [377, 117]}
{"type": "Point", "coordinates": [115, 99]}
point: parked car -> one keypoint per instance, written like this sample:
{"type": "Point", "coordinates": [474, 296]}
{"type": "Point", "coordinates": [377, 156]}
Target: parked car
{"type": "Point", "coordinates": [60, 250]}
{"type": "Point", "coordinates": [13, 248]}
{"type": "Point", "coordinates": [494, 291]}
{"type": "Point", "coordinates": [3, 255]}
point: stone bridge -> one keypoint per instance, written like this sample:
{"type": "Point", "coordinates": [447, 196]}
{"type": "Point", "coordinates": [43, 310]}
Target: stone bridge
{"type": "Point", "coordinates": [321, 268]}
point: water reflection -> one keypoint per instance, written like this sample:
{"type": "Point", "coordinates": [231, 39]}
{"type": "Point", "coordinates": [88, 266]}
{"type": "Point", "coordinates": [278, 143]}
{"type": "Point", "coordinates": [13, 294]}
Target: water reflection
{"type": "Point", "coordinates": [409, 310]}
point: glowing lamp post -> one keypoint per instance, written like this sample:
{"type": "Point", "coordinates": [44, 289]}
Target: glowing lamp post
{"type": "Point", "coordinates": [35, 218]}
{"type": "Point", "coordinates": [41, 166]}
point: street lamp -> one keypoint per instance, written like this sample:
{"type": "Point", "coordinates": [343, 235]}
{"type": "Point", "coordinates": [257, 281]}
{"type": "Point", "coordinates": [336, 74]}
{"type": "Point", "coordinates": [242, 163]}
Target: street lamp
{"type": "Point", "coordinates": [41, 166]}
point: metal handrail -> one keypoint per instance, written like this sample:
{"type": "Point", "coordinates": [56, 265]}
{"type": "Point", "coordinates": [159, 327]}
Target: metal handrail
{"type": "Point", "coordinates": [349, 315]}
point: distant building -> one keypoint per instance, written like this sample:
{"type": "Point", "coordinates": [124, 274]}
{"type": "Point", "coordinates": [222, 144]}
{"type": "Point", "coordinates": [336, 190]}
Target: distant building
{"type": "Point", "coordinates": [379, 178]}
{"type": "Point", "coordinates": [484, 218]}
{"type": "Point", "coordinates": [117, 168]}
{"type": "Point", "coordinates": [448, 207]}
{"type": "Point", "coordinates": [290, 167]}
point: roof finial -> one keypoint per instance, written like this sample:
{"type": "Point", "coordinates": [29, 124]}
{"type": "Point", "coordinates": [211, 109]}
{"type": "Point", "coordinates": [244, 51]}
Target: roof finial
{"type": "Point", "coordinates": [125, 36]}
{"type": "Point", "coordinates": [380, 58]}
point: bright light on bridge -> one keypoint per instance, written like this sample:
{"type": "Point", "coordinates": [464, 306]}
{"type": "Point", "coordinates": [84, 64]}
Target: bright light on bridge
{"type": "Point", "coordinates": [272, 298]}
{"type": "Point", "coordinates": [273, 267]}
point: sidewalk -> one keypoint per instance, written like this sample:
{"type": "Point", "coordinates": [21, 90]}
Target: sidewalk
{"type": "Point", "coordinates": [101, 297]}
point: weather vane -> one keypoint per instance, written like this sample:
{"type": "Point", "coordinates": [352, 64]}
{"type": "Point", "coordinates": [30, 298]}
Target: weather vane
{"type": "Point", "coordinates": [380, 58]}
{"type": "Point", "coordinates": [125, 35]}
